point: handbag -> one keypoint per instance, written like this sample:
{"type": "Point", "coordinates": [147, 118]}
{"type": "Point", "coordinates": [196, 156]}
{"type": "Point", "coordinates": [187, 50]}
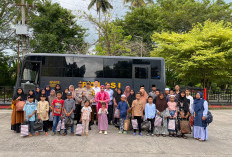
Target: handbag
{"type": "Point", "coordinates": [146, 125]}
{"type": "Point", "coordinates": [127, 124]}
{"type": "Point", "coordinates": [24, 130]}
{"type": "Point", "coordinates": [116, 113]}
{"type": "Point", "coordinates": [79, 129]}
{"type": "Point", "coordinates": [58, 126]}
{"type": "Point", "coordinates": [185, 127]}
{"type": "Point", "coordinates": [191, 120]}
{"type": "Point", "coordinates": [20, 105]}
{"type": "Point", "coordinates": [63, 124]}
{"type": "Point", "coordinates": [68, 122]}
{"type": "Point", "coordinates": [134, 123]}
{"type": "Point", "coordinates": [172, 124]}
{"type": "Point", "coordinates": [158, 121]}
{"type": "Point", "coordinates": [38, 125]}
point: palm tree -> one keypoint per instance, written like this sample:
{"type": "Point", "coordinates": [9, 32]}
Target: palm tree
{"type": "Point", "coordinates": [138, 3]}
{"type": "Point", "coordinates": [101, 5]}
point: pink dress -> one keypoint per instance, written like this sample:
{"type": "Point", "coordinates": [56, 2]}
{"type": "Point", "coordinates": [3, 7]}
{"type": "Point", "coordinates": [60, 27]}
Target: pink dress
{"type": "Point", "coordinates": [102, 96]}
{"type": "Point", "coordinates": [103, 120]}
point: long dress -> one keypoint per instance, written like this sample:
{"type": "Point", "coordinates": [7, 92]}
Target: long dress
{"type": "Point", "coordinates": [200, 109]}
{"type": "Point", "coordinates": [103, 120]}
{"type": "Point", "coordinates": [102, 96]}
{"type": "Point", "coordinates": [164, 128]}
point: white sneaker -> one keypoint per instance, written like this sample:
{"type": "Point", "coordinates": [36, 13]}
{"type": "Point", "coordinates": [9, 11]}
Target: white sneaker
{"type": "Point", "coordinates": [105, 133]}
{"type": "Point", "coordinates": [100, 132]}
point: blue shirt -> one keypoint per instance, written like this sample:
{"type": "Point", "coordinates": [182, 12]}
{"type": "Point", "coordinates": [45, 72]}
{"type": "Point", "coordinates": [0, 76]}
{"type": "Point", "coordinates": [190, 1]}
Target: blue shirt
{"type": "Point", "coordinates": [29, 108]}
{"type": "Point", "coordinates": [150, 111]}
{"type": "Point", "coordinates": [123, 107]}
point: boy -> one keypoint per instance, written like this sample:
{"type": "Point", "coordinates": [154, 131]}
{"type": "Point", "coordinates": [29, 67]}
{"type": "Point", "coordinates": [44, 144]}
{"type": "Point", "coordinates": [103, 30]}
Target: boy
{"type": "Point", "coordinates": [137, 112]}
{"type": "Point", "coordinates": [57, 110]}
{"type": "Point", "coordinates": [69, 107]}
{"type": "Point", "coordinates": [188, 96]}
{"type": "Point", "coordinates": [150, 111]}
{"type": "Point", "coordinates": [42, 111]}
{"type": "Point", "coordinates": [29, 113]}
{"type": "Point", "coordinates": [122, 114]}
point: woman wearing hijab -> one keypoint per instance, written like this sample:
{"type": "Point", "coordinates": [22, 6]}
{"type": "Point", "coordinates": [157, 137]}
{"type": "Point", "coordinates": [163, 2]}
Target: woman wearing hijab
{"type": "Point", "coordinates": [162, 110]}
{"type": "Point", "coordinates": [102, 96]}
{"type": "Point", "coordinates": [57, 87]}
{"type": "Point", "coordinates": [127, 91]}
{"type": "Point", "coordinates": [17, 117]}
{"type": "Point", "coordinates": [37, 91]}
{"type": "Point", "coordinates": [144, 96]}
{"type": "Point", "coordinates": [64, 96]}
{"type": "Point", "coordinates": [200, 110]}
{"type": "Point", "coordinates": [117, 99]}
{"type": "Point", "coordinates": [32, 94]}
{"type": "Point", "coordinates": [47, 90]}
{"type": "Point", "coordinates": [183, 110]}
{"type": "Point", "coordinates": [72, 89]}
{"type": "Point", "coordinates": [131, 97]}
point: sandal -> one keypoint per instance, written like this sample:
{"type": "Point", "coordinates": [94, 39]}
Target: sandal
{"type": "Point", "coordinates": [164, 135]}
{"type": "Point", "coordinates": [157, 135]}
{"type": "Point", "coordinates": [185, 137]}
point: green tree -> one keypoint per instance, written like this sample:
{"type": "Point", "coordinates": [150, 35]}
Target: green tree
{"type": "Point", "coordinates": [55, 30]}
{"type": "Point", "coordinates": [203, 55]}
{"type": "Point", "coordinates": [138, 3]}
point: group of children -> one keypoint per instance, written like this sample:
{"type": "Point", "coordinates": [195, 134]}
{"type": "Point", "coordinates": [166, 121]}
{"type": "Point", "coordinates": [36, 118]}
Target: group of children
{"type": "Point", "coordinates": [53, 107]}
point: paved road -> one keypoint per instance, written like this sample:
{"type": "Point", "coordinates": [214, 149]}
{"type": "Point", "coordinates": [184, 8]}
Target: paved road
{"type": "Point", "coordinates": [113, 144]}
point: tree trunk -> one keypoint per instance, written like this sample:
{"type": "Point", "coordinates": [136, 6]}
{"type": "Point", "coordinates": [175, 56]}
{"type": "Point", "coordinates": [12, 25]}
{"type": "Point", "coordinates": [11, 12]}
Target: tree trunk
{"type": "Point", "coordinates": [99, 35]}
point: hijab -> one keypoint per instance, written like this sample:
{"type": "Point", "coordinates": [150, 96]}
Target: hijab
{"type": "Point", "coordinates": [51, 98]}
{"type": "Point", "coordinates": [36, 93]}
{"type": "Point", "coordinates": [64, 95]}
{"type": "Point", "coordinates": [144, 96]}
{"type": "Point", "coordinates": [118, 96]}
{"type": "Point", "coordinates": [22, 95]}
{"type": "Point", "coordinates": [161, 104]}
{"type": "Point", "coordinates": [57, 89]}
{"type": "Point", "coordinates": [33, 95]}
{"type": "Point", "coordinates": [126, 93]}
{"type": "Point", "coordinates": [199, 103]}
{"type": "Point", "coordinates": [131, 98]}
{"type": "Point", "coordinates": [47, 92]}
{"type": "Point", "coordinates": [185, 102]}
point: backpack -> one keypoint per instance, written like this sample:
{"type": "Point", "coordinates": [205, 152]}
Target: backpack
{"type": "Point", "coordinates": [209, 118]}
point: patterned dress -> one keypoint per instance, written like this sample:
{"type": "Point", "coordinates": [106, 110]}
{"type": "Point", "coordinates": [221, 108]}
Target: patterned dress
{"type": "Point", "coordinates": [103, 120]}
{"type": "Point", "coordinates": [163, 129]}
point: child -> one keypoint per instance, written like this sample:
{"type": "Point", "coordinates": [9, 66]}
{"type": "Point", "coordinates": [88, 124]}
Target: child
{"type": "Point", "coordinates": [172, 107]}
{"type": "Point", "coordinates": [69, 107]}
{"type": "Point", "coordinates": [57, 110]}
{"type": "Point", "coordinates": [122, 107]}
{"type": "Point", "coordinates": [64, 95]}
{"type": "Point", "coordinates": [51, 98]}
{"type": "Point", "coordinates": [150, 112]}
{"type": "Point", "coordinates": [29, 113]}
{"type": "Point", "coordinates": [42, 111]}
{"type": "Point", "coordinates": [86, 117]}
{"type": "Point", "coordinates": [137, 112]}
{"type": "Point", "coordinates": [47, 90]}
{"type": "Point", "coordinates": [103, 121]}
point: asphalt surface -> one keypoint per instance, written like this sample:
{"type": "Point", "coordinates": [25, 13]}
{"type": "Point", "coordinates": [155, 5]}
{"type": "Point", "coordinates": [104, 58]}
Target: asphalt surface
{"type": "Point", "coordinates": [114, 144]}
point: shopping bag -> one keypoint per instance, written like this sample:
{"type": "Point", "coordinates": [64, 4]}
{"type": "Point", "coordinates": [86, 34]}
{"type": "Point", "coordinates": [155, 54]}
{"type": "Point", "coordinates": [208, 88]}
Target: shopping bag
{"type": "Point", "coordinates": [171, 124]}
{"type": "Point", "coordinates": [146, 125]}
{"type": "Point", "coordinates": [58, 126]}
{"type": "Point", "coordinates": [191, 120]}
{"type": "Point", "coordinates": [24, 130]}
{"type": "Point", "coordinates": [158, 121]}
{"type": "Point", "coordinates": [38, 125]}
{"type": "Point", "coordinates": [20, 105]}
{"type": "Point", "coordinates": [79, 129]}
{"type": "Point", "coordinates": [127, 124]}
{"type": "Point", "coordinates": [134, 123]}
{"type": "Point", "coordinates": [62, 124]}
{"type": "Point", "coordinates": [50, 117]}
{"type": "Point", "coordinates": [68, 122]}
{"type": "Point", "coordinates": [116, 113]}
{"type": "Point", "coordinates": [185, 127]}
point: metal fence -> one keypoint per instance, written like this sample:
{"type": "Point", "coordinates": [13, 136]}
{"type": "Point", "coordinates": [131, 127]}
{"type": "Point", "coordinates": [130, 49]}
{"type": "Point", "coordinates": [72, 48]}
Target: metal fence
{"type": "Point", "coordinates": [6, 94]}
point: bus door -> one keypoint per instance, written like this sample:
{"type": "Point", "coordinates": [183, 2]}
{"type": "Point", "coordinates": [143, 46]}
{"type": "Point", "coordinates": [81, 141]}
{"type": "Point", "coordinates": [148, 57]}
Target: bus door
{"type": "Point", "coordinates": [30, 77]}
{"type": "Point", "coordinates": [141, 75]}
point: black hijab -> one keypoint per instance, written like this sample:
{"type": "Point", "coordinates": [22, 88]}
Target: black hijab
{"type": "Point", "coordinates": [130, 99]}
{"type": "Point", "coordinates": [33, 95]}
{"type": "Point", "coordinates": [22, 95]}
{"type": "Point", "coordinates": [118, 96]}
{"type": "Point", "coordinates": [64, 95]}
{"type": "Point", "coordinates": [185, 102]}
{"type": "Point", "coordinates": [57, 89]}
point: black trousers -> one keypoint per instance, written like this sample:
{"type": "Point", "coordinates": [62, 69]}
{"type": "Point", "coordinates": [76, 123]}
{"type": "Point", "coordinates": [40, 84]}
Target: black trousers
{"type": "Point", "coordinates": [139, 120]}
{"type": "Point", "coordinates": [152, 125]}
{"type": "Point", "coordinates": [78, 113]}
{"type": "Point", "coordinates": [45, 125]}
{"type": "Point", "coordinates": [110, 113]}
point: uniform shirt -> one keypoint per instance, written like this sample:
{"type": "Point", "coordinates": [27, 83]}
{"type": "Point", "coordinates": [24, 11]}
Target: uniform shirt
{"type": "Point", "coordinates": [88, 94]}
{"type": "Point", "coordinates": [96, 90]}
{"type": "Point", "coordinates": [69, 104]}
{"type": "Point", "coordinates": [137, 108]}
{"type": "Point", "coordinates": [111, 93]}
{"type": "Point", "coordinates": [86, 112]}
{"type": "Point", "coordinates": [123, 107]}
{"type": "Point", "coordinates": [150, 111]}
{"type": "Point", "coordinates": [29, 108]}
{"type": "Point", "coordinates": [42, 110]}
{"type": "Point", "coordinates": [78, 95]}
{"type": "Point", "coordinates": [58, 107]}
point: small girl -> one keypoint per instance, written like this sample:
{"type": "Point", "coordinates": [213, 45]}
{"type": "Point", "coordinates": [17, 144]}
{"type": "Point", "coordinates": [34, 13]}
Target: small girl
{"type": "Point", "coordinates": [172, 107]}
{"type": "Point", "coordinates": [103, 121]}
{"type": "Point", "coordinates": [86, 117]}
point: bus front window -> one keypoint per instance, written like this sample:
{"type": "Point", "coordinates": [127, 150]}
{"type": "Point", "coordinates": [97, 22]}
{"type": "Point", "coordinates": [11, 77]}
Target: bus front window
{"type": "Point", "coordinates": [31, 73]}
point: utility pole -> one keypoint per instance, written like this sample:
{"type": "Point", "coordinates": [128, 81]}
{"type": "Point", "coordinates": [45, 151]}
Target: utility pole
{"type": "Point", "coordinates": [24, 38]}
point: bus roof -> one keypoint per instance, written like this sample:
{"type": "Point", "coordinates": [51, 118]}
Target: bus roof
{"type": "Point", "coordinates": [96, 56]}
